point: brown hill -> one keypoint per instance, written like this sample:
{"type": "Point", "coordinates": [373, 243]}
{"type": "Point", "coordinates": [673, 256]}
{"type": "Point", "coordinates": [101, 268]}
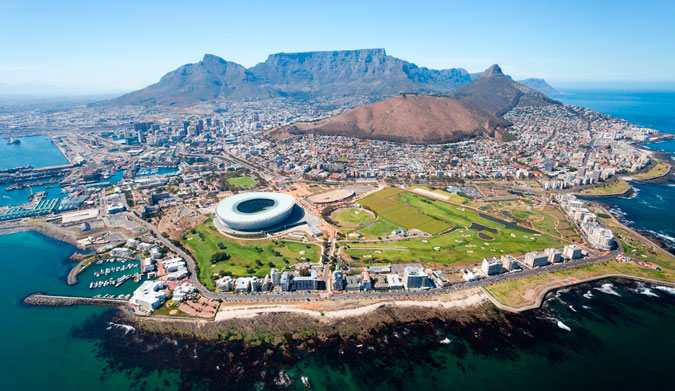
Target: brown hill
{"type": "Point", "coordinates": [415, 119]}
{"type": "Point", "coordinates": [497, 93]}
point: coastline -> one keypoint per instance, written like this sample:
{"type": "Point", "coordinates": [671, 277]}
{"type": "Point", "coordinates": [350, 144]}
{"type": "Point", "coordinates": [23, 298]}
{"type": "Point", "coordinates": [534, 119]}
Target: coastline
{"type": "Point", "coordinates": [41, 229]}
{"type": "Point", "coordinates": [545, 290]}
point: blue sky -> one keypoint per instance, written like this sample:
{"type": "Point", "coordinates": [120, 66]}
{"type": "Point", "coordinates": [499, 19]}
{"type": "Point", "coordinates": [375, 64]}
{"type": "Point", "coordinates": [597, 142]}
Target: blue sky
{"type": "Point", "coordinates": [92, 46]}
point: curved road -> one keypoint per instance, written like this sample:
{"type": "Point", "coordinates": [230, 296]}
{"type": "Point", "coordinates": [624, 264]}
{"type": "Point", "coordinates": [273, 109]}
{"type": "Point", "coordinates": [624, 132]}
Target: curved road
{"type": "Point", "coordinates": [300, 296]}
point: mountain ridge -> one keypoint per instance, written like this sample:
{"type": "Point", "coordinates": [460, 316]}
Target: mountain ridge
{"type": "Point", "coordinates": [473, 110]}
{"type": "Point", "coordinates": [360, 72]}
{"type": "Point", "coordinates": [370, 72]}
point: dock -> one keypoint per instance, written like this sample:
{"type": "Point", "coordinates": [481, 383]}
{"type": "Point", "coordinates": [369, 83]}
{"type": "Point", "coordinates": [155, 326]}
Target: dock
{"type": "Point", "coordinates": [39, 299]}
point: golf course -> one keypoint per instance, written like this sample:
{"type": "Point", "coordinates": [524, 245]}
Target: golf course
{"type": "Point", "coordinates": [459, 234]}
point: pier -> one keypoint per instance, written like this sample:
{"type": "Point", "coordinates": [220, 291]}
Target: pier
{"type": "Point", "coordinates": [39, 299]}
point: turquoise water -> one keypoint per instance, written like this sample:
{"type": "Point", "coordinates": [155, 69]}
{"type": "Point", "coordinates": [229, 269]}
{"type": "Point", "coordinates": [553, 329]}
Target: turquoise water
{"type": "Point", "coordinates": [651, 109]}
{"type": "Point", "coordinates": [39, 151]}
{"type": "Point", "coordinates": [37, 349]}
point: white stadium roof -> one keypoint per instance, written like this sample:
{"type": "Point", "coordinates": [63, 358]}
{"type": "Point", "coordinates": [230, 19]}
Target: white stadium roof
{"type": "Point", "coordinates": [254, 210]}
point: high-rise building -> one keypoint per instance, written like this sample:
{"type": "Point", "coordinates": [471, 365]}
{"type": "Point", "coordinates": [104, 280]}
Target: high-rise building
{"type": "Point", "coordinates": [414, 278]}
{"type": "Point", "coordinates": [534, 259]}
{"type": "Point", "coordinates": [571, 251]}
{"type": "Point", "coordinates": [491, 266]}
{"type": "Point", "coordinates": [274, 275]}
{"type": "Point", "coordinates": [338, 280]}
{"type": "Point", "coordinates": [554, 256]}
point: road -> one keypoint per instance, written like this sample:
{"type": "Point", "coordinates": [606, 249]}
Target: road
{"type": "Point", "coordinates": [306, 296]}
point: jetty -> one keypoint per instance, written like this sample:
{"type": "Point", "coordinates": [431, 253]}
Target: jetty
{"type": "Point", "coordinates": [39, 299]}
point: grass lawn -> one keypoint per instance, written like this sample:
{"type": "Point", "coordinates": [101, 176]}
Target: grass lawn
{"type": "Point", "coordinates": [352, 217]}
{"type": "Point", "coordinates": [280, 253]}
{"type": "Point", "coordinates": [462, 246]}
{"type": "Point", "coordinates": [169, 306]}
{"type": "Point", "coordinates": [658, 170]}
{"type": "Point", "coordinates": [242, 182]}
{"type": "Point", "coordinates": [410, 210]}
{"type": "Point", "coordinates": [379, 229]}
{"type": "Point", "coordinates": [522, 292]}
{"type": "Point", "coordinates": [617, 187]}
{"type": "Point", "coordinates": [549, 219]}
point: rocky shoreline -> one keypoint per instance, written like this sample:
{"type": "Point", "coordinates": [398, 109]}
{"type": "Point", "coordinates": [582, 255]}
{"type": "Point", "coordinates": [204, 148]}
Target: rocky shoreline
{"type": "Point", "coordinates": [265, 352]}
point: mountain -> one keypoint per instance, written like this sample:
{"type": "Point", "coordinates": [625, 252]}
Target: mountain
{"type": "Point", "coordinates": [540, 85]}
{"type": "Point", "coordinates": [191, 84]}
{"type": "Point", "coordinates": [361, 72]}
{"type": "Point", "coordinates": [496, 93]}
{"type": "Point", "coordinates": [409, 118]}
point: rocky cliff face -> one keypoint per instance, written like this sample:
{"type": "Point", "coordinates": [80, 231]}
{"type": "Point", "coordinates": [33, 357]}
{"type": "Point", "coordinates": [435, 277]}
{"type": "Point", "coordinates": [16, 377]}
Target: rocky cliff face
{"type": "Point", "coordinates": [359, 72]}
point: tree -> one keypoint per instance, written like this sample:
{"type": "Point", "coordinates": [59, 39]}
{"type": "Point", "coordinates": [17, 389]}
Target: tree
{"type": "Point", "coordinates": [304, 272]}
{"type": "Point", "coordinates": [220, 256]}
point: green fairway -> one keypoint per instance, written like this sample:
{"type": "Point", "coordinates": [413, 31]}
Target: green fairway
{"type": "Point", "coordinates": [473, 236]}
{"type": "Point", "coordinates": [461, 245]}
{"type": "Point", "coordinates": [243, 182]}
{"type": "Point", "coordinates": [244, 254]}
{"type": "Point", "coordinates": [352, 217]}
{"type": "Point", "coordinates": [379, 229]}
{"type": "Point", "coordinates": [399, 208]}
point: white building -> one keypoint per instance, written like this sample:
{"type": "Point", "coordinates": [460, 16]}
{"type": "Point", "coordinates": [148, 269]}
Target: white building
{"type": "Point", "coordinates": [120, 252]}
{"type": "Point", "coordinates": [554, 256]}
{"type": "Point", "coordinates": [173, 264]}
{"type": "Point", "coordinates": [491, 266]}
{"type": "Point", "coordinates": [534, 259]}
{"type": "Point", "coordinates": [394, 281]}
{"type": "Point", "coordinates": [509, 262]}
{"type": "Point", "coordinates": [571, 251]}
{"type": "Point", "coordinates": [242, 285]}
{"type": "Point", "coordinates": [182, 290]}
{"type": "Point", "coordinates": [149, 295]}
{"type": "Point", "coordinates": [224, 284]}
{"type": "Point", "coordinates": [601, 238]}
{"type": "Point", "coordinates": [147, 265]}
{"type": "Point", "coordinates": [179, 274]}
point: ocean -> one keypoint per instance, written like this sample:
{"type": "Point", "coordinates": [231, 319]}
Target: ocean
{"type": "Point", "coordinates": [603, 335]}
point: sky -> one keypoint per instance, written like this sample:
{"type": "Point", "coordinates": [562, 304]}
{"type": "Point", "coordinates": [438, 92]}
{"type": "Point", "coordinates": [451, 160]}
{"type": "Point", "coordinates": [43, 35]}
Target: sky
{"type": "Point", "coordinates": [115, 46]}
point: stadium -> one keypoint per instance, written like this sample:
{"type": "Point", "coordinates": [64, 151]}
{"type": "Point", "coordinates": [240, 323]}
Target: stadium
{"type": "Point", "coordinates": [253, 211]}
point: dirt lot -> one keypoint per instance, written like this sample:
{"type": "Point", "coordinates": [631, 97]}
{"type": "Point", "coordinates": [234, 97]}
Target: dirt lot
{"type": "Point", "coordinates": [178, 220]}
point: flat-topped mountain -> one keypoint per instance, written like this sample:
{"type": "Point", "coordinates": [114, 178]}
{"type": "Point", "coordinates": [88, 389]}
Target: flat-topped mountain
{"type": "Point", "coordinates": [415, 119]}
{"type": "Point", "coordinates": [359, 72]}
{"type": "Point", "coordinates": [496, 93]}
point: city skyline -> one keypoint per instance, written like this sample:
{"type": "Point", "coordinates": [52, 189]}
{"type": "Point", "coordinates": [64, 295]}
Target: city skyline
{"type": "Point", "coordinates": [113, 48]}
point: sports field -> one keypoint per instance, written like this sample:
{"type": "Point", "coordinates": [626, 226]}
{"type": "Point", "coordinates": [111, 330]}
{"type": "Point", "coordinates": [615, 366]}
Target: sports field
{"type": "Point", "coordinates": [247, 258]}
{"type": "Point", "coordinates": [243, 182]}
{"type": "Point", "coordinates": [352, 217]}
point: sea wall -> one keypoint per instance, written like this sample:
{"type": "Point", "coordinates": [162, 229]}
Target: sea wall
{"type": "Point", "coordinates": [39, 299]}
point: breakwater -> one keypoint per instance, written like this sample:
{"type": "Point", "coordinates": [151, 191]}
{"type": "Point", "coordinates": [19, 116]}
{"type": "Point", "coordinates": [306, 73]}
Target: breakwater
{"type": "Point", "coordinates": [39, 299]}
